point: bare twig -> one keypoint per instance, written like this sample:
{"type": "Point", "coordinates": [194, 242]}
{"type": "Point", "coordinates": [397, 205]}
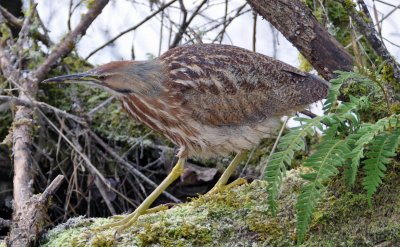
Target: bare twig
{"type": "Point", "coordinates": [101, 106]}
{"type": "Point", "coordinates": [99, 180]}
{"type": "Point", "coordinates": [68, 43]}
{"type": "Point", "coordinates": [254, 30]}
{"type": "Point", "coordinates": [17, 23]}
{"type": "Point", "coordinates": [10, 18]}
{"type": "Point", "coordinates": [185, 24]}
{"type": "Point", "coordinates": [43, 106]}
{"type": "Point", "coordinates": [239, 12]}
{"type": "Point", "coordinates": [23, 33]}
{"type": "Point", "coordinates": [224, 21]}
{"type": "Point", "coordinates": [130, 29]}
{"type": "Point", "coordinates": [370, 33]}
{"type": "Point", "coordinates": [128, 166]}
{"type": "Point", "coordinates": [53, 186]}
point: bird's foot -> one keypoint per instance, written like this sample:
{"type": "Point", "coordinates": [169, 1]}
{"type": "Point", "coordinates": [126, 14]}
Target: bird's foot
{"type": "Point", "coordinates": [125, 221]}
{"type": "Point", "coordinates": [220, 187]}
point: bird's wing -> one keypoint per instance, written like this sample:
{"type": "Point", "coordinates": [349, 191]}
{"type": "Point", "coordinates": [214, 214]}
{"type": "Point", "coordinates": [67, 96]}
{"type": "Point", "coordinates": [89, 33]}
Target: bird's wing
{"type": "Point", "coordinates": [227, 85]}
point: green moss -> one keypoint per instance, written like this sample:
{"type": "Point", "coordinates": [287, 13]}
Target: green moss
{"type": "Point", "coordinates": [165, 235]}
{"type": "Point", "coordinates": [304, 64]}
{"type": "Point", "coordinates": [240, 216]}
{"type": "Point", "coordinates": [90, 3]}
{"type": "Point", "coordinates": [388, 76]}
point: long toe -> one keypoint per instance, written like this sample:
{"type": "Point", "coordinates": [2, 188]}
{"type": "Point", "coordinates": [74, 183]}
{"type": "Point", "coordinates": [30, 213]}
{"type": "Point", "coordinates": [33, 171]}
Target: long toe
{"type": "Point", "coordinates": [220, 187]}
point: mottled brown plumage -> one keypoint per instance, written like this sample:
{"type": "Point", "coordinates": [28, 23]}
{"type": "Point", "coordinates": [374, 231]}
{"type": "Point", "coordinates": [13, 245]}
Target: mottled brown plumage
{"type": "Point", "coordinates": [214, 99]}
{"type": "Point", "coordinates": [208, 99]}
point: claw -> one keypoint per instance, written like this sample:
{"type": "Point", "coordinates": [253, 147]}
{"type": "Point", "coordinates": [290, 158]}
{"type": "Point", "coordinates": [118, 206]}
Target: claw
{"type": "Point", "coordinates": [125, 221]}
{"type": "Point", "coordinates": [220, 187]}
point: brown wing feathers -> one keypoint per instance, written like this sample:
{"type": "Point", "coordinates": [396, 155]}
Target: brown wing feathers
{"type": "Point", "coordinates": [227, 85]}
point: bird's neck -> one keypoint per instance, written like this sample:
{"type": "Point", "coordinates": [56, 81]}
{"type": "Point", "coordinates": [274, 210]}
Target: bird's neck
{"type": "Point", "coordinates": [148, 77]}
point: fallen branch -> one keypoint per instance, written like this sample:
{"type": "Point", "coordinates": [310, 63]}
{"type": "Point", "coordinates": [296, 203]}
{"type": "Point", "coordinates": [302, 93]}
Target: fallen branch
{"type": "Point", "coordinates": [43, 106]}
{"type": "Point", "coordinates": [28, 225]}
{"type": "Point", "coordinates": [128, 166]}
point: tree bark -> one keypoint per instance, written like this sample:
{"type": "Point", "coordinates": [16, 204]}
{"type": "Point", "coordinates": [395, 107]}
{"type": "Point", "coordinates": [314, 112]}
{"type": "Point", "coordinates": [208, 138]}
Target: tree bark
{"type": "Point", "coordinates": [25, 227]}
{"type": "Point", "coordinates": [296, 22]}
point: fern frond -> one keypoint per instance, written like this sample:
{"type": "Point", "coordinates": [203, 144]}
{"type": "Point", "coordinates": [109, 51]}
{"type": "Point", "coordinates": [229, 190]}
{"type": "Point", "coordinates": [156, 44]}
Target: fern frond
{"type": "Point", "coordinates": [334, 91]}
{"type": "Point", "coordinates": [363, 137]}
{"type": "Point", "coordinates": [289, 143]}
{"type": "Point", "coordinates": [324, 163]}
{"type": "Point", "coordinates": [378, 156]}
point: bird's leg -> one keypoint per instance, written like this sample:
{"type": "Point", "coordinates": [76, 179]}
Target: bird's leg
{"type": "Point", "coordinates": [143, 208]}
{"type": "Point", "coordinates": [221, 184]}
{"type": "Point", "coordinates": [148, 211]}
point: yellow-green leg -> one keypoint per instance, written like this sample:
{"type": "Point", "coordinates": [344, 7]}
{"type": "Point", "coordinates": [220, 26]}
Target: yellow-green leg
{"type": "Point", "coordinates": [221, 184]}
{"type": "Point", "coordinates": [144, 207]}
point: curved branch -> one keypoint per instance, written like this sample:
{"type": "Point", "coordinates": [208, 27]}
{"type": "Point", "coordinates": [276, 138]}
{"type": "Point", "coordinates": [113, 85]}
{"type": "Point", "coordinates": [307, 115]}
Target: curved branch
{"type": "Point", "coordinates": [66, 46]}
{"type": "Point", "coordinates": [296, 22]}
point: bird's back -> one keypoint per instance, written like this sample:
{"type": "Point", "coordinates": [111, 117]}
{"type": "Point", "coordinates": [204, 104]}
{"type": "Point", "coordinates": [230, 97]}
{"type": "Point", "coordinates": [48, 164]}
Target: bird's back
{"type": "Point", "coordinates": [220, 98]}
{"type": "Point", "coordinates": [227, 85]}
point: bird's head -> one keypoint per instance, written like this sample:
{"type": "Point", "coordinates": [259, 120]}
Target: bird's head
{"type": "Point", "coordinates": [121, 77]}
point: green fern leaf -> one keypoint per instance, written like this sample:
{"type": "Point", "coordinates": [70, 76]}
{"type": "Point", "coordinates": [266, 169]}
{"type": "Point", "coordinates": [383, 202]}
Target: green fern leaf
{"type": "Point", "coordinates": [334, 91]}
{"type": "Point", "coordinates": [378, 156]}
{"type": "Point", "coordinates": [359, 140]}
{"type": "Point", "coordinates": [289, 143]}
{"type": "Point", "coordinates": [324, 163]}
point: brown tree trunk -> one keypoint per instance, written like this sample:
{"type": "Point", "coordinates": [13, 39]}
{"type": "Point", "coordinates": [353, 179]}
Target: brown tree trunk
{"type": "Point", "coordinates": [296, 22]}
{"type": "Point", "coordinates": [29, 211]}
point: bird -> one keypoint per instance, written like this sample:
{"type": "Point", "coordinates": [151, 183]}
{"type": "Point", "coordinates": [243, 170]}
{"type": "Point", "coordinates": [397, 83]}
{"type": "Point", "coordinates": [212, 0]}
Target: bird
{"type": "Point", "coordinates": [209, 99]}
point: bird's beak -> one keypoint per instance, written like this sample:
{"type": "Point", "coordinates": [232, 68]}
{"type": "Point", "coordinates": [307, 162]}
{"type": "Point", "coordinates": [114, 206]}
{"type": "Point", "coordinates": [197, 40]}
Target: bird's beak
{"type": "Point", "coordinates": [84, 77]}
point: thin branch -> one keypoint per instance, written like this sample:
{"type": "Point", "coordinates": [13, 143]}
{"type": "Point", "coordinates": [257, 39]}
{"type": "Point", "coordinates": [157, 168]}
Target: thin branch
{"type": "Point", "coordinates": [53, 186]}
{"type": "Point", "coordinates": [99, 181]}
{"type": "Point", "coordinates": [130, 29]}
{"type": "Point", "coordinates": [23, 33]}
{"type": "Point", "coordinates": [224, 21]}
{"type": "Point", "coordinates": [17, 23]}
{"type": "Point", "coordinates": [128, 166]}
{"type": "Point", "coordinates": [45, 107]}
{"type": "Point", "coordinates": [10, 18]}
{"type": "Point", "coordinates": [227, 22]}
{"type": "Point", "coordinates": [68, 43]}
{"type": "Point", "coordinates": [101, 106]}
{"type": "Point", "coordinates": [185, 24]}
{"type": "Point", "coordinates": [254, 31]}
{"type": "Point", "coordinates": [370, 33]}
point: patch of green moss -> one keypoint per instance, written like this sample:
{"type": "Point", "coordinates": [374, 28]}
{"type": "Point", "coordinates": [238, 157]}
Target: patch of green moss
{"type": "Point", "coordinates": [165, 235]}
{"type": "Point", "coordinates": [305, 65]}
{"type": "Point", "coordinates": [240, 216]}
{"type": "Point", "coordinates": [388, 76]}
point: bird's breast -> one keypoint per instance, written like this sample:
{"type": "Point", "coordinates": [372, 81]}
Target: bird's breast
{"type": "Point", "coordinates": [166, 117]}
{"type": "Point", "coordinates": [193, 137]}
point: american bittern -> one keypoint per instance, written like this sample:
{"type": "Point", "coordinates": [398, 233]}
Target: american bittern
{"type": "Point", "coordinates": [209, 99]}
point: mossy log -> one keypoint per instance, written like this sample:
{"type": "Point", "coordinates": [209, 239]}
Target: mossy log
{"type": "Point", "coordinates": [239, 217]}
